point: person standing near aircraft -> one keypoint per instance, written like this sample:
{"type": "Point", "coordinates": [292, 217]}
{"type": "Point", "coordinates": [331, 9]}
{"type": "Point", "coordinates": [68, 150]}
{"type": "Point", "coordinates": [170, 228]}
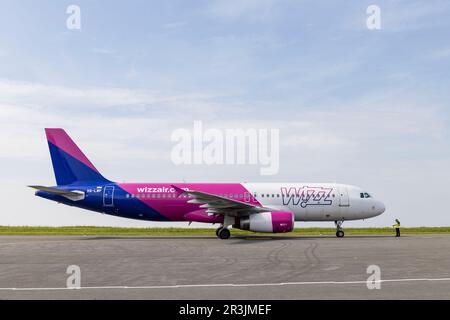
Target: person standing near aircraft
{"type": "Point", "coordinates": [397, 228]}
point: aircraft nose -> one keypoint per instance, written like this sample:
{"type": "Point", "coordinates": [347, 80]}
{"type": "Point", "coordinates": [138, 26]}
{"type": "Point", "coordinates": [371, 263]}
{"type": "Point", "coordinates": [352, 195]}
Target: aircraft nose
{"type": "Point", "coordinates": [377, 208]}
{"type": "Point", "coordinates": [380, 207]}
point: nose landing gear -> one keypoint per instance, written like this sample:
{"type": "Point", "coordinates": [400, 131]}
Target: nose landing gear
{"type": "Point", "coordinates": [339, 230]}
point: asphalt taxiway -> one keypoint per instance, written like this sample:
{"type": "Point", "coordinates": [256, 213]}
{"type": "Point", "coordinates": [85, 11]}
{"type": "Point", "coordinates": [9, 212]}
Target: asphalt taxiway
{"type": "Point", "coordinates": [411, 267]}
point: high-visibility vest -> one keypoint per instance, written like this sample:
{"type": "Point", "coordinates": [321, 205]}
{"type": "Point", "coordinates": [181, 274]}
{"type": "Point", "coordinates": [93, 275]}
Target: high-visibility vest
{"type": "Point", "coordinates": [397, 225]}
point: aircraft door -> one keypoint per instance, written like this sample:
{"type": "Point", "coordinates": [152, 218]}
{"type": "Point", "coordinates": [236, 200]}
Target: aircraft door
{"type": "Point", "coordinates": [108, 196]}
{"type": "Point", "coordinates": [343, 197]}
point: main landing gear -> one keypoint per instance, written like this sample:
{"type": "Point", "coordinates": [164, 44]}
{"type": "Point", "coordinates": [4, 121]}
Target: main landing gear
{"type": "Point", "coordinates": [223, 233]}
{"type": "Point", "coordinates": [339, 230]}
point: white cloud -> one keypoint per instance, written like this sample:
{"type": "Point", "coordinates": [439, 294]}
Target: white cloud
{"type": "Point", "coordinates": [88, 99]}
{"type": "Point", "coordinates": [135, 117]}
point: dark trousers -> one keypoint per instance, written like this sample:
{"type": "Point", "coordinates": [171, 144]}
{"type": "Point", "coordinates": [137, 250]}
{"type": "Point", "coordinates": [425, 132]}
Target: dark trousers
{"type": "Point", "coordinates": [397, 232]}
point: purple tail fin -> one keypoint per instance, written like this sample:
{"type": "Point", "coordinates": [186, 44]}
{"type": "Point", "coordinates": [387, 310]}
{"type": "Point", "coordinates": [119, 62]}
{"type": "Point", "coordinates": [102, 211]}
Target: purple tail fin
{"type": "Point", "coordinates": [69, 162]}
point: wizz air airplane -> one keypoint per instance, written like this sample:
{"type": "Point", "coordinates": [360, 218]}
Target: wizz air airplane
{"type": "Point", "coordinates": [258, 207]}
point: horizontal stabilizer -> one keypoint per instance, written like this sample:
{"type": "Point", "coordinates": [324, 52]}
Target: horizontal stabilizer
{"type": "Point", "coordinates": [74, 195]}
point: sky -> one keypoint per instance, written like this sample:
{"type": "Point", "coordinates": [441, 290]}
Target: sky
{"type": "Point", "coordinates": [353, 105]}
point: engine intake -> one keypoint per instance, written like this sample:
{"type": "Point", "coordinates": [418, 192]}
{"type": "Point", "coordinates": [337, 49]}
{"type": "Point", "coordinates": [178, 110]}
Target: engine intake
{"type": "Point", "coordinates": [269, 222]}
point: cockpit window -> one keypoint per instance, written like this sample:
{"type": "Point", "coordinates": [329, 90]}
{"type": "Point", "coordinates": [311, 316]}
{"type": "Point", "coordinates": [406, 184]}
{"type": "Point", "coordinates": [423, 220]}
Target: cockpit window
{"type": "Point", "coordinates": [361, 195]}
{"type": "Point", "coordinates": [366, 195]}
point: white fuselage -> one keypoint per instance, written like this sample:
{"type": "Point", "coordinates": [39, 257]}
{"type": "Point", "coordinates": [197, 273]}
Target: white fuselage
{"type": "Point", "coordinates": [317, 201]}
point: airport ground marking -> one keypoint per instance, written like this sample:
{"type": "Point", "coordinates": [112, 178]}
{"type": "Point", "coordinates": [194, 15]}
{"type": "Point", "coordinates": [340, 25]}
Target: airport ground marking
{"type": "Point", "coordinates": [218, 285]}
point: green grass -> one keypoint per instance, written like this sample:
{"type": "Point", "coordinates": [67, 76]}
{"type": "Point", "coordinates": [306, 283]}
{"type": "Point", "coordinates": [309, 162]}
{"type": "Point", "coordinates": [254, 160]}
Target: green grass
{"type": "Point", "coordinates": [109, 231]}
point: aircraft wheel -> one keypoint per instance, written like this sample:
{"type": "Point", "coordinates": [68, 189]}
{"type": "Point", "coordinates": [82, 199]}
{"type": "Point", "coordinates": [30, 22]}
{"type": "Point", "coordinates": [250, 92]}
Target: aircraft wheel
{"type": "Point", "coordinates": [224, 234]}
{"type": "Point", "coordinates": [340, 234]}
{"type": "Point", "coordinates": [218, 230]}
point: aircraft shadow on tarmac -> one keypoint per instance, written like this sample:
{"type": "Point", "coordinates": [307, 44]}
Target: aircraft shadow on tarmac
{"type": "Point", "coordinates": [235, 239]}
{"type": "Point", "coordinates": [251, 239]}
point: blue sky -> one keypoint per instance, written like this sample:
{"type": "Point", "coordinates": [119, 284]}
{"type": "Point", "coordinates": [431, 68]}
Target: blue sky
{"type": "Point", "coordinates": [357, 106]}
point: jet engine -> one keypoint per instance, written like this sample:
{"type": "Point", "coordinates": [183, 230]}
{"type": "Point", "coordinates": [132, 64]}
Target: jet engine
{"type": "Point", "coordinates": [270, 222]}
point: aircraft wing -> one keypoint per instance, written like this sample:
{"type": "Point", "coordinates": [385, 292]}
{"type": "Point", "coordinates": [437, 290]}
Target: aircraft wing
{"type": "Point", "coordinates": [72, 195]}
{"type": "Point", "coordinates": [220, 205]}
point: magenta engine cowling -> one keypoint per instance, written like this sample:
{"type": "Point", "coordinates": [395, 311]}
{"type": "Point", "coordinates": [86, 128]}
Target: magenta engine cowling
{"type": "Point", "coordinates": [270, 222]}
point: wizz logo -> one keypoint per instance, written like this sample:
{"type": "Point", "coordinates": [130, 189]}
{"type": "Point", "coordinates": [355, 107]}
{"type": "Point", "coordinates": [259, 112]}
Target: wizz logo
{"type": "Point", "coordinates": [307, 196]}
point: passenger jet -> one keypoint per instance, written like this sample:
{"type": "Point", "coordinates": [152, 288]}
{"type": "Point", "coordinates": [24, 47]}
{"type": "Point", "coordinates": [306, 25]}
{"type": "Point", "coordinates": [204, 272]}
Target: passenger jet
{"type": "Point", "coordinates": [258, 207]}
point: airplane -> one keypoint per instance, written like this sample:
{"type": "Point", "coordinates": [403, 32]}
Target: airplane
{"type": "Point", "coordinates": [257, 207]}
